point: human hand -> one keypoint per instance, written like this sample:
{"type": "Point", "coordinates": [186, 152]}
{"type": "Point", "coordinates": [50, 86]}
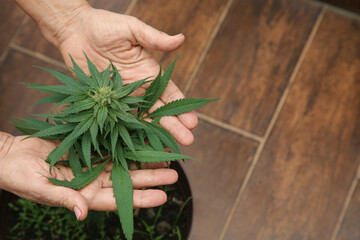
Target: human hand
{"type": "Point", "coordinates": [24, 172]}
{"type": "Point", "coordinates": [74, 27]}
{"type": "Point", "coordinates": [123, 39]}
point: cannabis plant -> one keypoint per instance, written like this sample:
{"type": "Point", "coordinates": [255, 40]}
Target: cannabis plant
{"type": "Point", "coordinates": [102, 122]}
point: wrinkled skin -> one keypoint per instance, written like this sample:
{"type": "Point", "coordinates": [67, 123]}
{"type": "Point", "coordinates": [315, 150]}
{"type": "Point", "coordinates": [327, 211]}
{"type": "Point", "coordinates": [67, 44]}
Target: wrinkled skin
{"type": "Point", "coordinates": [123, 39]}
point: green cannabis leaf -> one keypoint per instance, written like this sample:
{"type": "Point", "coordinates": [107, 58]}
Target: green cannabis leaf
{"type": "Point", "coordinates": [155, 156]}
{"type": "Point", "coordinates": [82, 179]}
{"type": "Point", "coordinates": [124, 198]}
{"type": "Point", "coordinates": [180, 106]}
{"type": "Point", "coordinates": [102, 122]}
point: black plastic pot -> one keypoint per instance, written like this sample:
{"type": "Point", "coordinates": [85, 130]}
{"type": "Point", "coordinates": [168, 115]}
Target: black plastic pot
{"type": "Point", "coordinates": [171, 208]}
{"type": "Point", "coordinates": [183, 185]}
{"type": "Point", "coordinates": [186, 191]}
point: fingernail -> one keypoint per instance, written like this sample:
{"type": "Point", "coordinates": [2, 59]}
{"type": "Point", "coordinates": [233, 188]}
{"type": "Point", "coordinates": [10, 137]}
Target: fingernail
{"type": "Point", "coordinates": [178, 35]}
{"type": "Point", "coordinates": [77, 212]}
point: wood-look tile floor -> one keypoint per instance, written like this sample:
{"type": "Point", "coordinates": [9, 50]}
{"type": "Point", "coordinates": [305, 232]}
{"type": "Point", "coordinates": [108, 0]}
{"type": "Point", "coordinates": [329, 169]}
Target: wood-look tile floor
{"type": "Point", "coordinates": [280, 152]}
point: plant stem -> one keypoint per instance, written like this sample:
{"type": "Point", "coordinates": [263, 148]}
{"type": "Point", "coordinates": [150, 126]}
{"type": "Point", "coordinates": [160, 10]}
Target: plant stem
{"type": "Point", "coordinates": [181, 210]}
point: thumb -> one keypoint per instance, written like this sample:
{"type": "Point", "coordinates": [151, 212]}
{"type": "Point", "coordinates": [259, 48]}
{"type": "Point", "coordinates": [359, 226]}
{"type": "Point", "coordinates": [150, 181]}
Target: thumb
{"type": "Point", "coordinates": [152, 38]}
{"type": "Point", "coordinates": [71, 199]}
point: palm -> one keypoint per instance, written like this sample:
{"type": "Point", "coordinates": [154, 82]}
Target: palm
{"type": "Point", "coordinates": [107, 36]}
{"type": "Point", "coordinates": [122, 39]}
{"type": "Point", "coordinates": [27, 158]}
{"type": "Point", "coordinates": [25, 173]}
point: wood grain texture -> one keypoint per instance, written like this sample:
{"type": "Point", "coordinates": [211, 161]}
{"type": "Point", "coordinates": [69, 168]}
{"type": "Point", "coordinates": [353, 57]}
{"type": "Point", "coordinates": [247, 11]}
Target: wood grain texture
{"type": "Point", "coordinates": [196, 19]}
{"type": "Point", "coordinates": [16, 98]}
{"type": "Point", "coordinates": [215, 180]}
{"type": "Point", "coordinates": [301, 180]}
{"type": "Point", "coordinates": [251, 60]}
{"type": "Point", "coordinates": [351, 5]}
{"type": "Point", "coordinates": [31, 37]}
{"type": "Point", "coordinates": [349, 229]}
{"type": "Point", "coordinates": [11, 18]}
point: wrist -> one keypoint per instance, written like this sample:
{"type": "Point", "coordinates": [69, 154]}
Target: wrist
{"type": "Point", "coordinates": [6, 141]}
{"type": "Point", "coordinates": [55, 18]}
{"type": "Point", "coordinates": [60, 26]}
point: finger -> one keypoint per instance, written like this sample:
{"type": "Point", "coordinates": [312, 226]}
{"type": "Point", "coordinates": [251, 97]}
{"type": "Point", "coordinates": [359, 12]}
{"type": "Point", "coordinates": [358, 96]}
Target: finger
{"type": "Point", "coordinates": [144, 178]}
{"type": "Point", "coordinates": [150, 165]}
{"type": "Point", "coordinates": [152, 38]}
{"type": "Point", "coordinates": [69, 198]}
{"type": "Point", "coordinates": [189, 119]}
{"type": "Point", "coordinates": [172, 93]}
{"type": "Point", "coordinates": [104, 200]}
{"type": "Point", "coordinates": [172, 124]}
{"type": "Point", "coordinates": [108, 166]}
{"type": "Point", "coordinates": [104, 179]}
{"type": "Point", "coordinates": [148, 198]}
{"type": "Point", "coordinates": [153, 177]}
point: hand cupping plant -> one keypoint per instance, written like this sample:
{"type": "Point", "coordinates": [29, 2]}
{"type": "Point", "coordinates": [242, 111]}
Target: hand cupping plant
{"type": "Point", "coordinates": [102, 122]}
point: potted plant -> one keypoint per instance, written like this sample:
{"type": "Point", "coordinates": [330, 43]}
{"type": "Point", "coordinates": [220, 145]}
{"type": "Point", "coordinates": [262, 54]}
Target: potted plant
{"type": "Point", "coordinates": [102, 122]}
{"type": "Point", "coordinates": [23, 219]}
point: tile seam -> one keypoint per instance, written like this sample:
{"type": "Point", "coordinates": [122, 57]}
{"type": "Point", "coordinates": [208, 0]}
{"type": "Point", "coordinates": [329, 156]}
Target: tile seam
{"type": "Point", "coordinates": [130, 7]}
{"type": "Point", "coordinates": [16, 34]}
{"type": "Point", "coordinates": [207, 46]}
{"type": "Point", "coordinates": [272, 122]}
{"type": "Point", "coordinates": [218, 123]}
{"type": "Point", "coordinates": [342, 12]}
{"type": "Point", "coordinates": [346, 204]}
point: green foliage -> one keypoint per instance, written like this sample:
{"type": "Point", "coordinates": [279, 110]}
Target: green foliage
{"type": "Point", "coordinates": [43, 222]}
{"type": "Point", "coordinates": [82, 179]}
{"type": "Point", "coordinates": [157, 87]}
{"type": "Point", "coordinates": [155, 156]}
{"type": "Point", "coordinates": [32, 221]}
{"type": "Point", "coordinates": [54, 130]}
{"type": "Point", "coordinates": [167, 139]}
{"type": "Point", "coordinates": [124, 198]}
{"type": "Point", "coordinates": [180, 106]}
{"type": "Point", "coordinates": [102, 118]}
{"type": "Point", "coordinates": [74, 162]}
